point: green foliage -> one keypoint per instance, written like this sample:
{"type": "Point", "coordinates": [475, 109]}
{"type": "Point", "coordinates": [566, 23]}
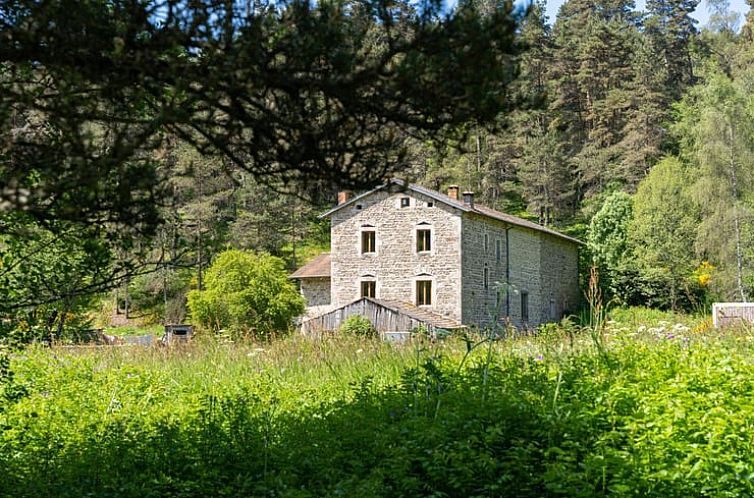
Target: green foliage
{"type": "Point", "coordinates": [523, 418]}
{"type": "Point", "coordinates": [358, 326]}
{"type": "Point", "coordinates": [662, 233]}
{"type": "Point", "coordinates": [246, 293]}
{"type": "Point", "coordinates": [607, 238]}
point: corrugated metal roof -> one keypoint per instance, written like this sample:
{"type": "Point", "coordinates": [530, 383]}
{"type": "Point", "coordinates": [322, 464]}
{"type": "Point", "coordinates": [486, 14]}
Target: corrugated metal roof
{"type": "Point", "coordinates": [319, 267]}
{"type": "Point", "coordinates": [477, 209]}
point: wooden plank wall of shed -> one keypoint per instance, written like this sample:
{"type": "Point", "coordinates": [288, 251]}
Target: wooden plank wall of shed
{"type": "Point", "coordinates": [383, 319]}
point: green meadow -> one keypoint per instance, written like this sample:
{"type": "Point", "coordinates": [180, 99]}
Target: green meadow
{"type": "Point", "coordinates": [663, 408]}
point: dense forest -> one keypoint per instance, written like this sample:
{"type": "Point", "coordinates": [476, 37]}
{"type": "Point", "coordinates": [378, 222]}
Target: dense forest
{"type": "Point", "coordinates": [629, 129]}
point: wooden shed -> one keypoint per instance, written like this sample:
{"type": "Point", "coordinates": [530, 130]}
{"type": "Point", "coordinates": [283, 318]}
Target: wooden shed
{"type": "Point", "coordinates": [386, 316]}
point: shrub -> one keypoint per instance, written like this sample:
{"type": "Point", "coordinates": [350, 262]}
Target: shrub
{"type": "Point", "coordinates": [358, 325]}
{"type": "Point", "coordinates": [246, 293]}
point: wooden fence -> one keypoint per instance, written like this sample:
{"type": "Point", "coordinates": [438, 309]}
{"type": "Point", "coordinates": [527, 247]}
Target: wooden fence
{"type": "Point", "coordinates": [728, 314]}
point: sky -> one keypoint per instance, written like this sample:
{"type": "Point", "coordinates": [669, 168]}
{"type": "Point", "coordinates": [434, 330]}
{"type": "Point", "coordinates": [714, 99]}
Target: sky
{"type": "Point", "coordinates": [701, 12]}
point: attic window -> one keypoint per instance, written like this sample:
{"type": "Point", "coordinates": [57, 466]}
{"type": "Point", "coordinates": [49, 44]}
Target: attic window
{"type": "Point", "coordinates": [430, 204]}
{"type": "Point", "coordinates": [405, 202]}
{"type": "Point", "coordinates": [358, 206]}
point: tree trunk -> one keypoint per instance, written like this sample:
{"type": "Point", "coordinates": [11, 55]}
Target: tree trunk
{"type": "Point", "coordinates": [736, 219]}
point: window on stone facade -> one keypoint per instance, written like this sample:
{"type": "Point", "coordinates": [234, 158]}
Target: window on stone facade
{"type": "Point", "coordinates": [430, 204]}
{"type": "Point", "coordinates": [524, 306]}
{"type": "Point", "coordinates": [486, 242]}
{"type": "Point", "coordinates": [486, 278]}
{"type": "Point", "coordinates": [423, 240]}
{"type": "Point", "coordinates": [368, 288]}
{"type": "Point", "coordinates": [498, 250]}
{"type": "Point", "coordinates": [423, 292]}
{"type": "Point", "coordinates": [368, 241]}
{"type": "Point", "coordinates": [405, 202]}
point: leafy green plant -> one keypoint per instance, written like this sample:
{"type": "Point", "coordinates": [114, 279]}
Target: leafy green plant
{"type": "Point", "coordinates": [359, 326]}
{"type": "Point", "coordinates": [246, 293]}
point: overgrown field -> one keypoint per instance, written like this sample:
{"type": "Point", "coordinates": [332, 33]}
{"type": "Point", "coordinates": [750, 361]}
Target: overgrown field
{"type": "Point", "coordinates": [648, 410]}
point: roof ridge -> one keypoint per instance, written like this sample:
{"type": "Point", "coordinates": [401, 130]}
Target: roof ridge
{"type": "Point", "coordinates": [439, 196]}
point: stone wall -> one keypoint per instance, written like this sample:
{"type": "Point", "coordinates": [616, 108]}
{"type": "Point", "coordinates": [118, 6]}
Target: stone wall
{"type": "Point", "coordinates": [560, 278]}
{"type": "Point", "coordinates": [544, 267]}
{"type": "Point", "coordinates": [316, 291]}
{"type": "Point", "coordinates": [396, 265]}
{"type": "Point", "coordinates": [525, 251]}
{"type": "Point", "coordinates": [482, 305]}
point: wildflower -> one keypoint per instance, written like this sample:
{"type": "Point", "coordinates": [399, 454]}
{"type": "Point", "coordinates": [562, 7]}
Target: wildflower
{"type": "Point", "coordinates": [539, 357]}
{"type": "Point", "coordinates": [359, 351]}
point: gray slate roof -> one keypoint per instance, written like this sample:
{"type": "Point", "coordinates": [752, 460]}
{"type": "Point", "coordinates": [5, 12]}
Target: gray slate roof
{"type": "Point", "coordinates": [477, 209]}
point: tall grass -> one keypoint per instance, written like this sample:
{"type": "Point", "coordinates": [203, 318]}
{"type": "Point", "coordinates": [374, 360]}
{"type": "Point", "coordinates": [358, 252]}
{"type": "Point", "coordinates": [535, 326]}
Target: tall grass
{"type": "Point", "coordinates": [545, 415]}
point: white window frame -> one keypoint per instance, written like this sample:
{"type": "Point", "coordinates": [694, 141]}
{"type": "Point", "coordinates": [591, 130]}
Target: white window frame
{"type": "Point", "coordinates": [368, 278]}
{"type": "Point", "coordinates": [367, 228]}
{"type": "Point", "coordinates": [433, 290]}
{"type": "Point", "coordinates": [424, 226]}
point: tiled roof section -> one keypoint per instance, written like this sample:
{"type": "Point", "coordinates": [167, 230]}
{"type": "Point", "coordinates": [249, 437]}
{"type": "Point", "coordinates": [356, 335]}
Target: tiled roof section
{"type": "Point", "coordinates": [420, 314]}
{"type": "Point", "coordinates": [514, 220]}
{"type": "Point", "coordinates": [319, 267]}
{"type": "Point", "coordinates": [481, 210]}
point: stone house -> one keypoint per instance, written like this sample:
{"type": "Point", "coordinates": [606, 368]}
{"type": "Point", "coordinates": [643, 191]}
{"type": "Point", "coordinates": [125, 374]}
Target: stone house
{"type": "Point", "coordinates": [409, 249]}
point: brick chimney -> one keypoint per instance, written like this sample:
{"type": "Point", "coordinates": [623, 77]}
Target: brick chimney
{"type": "Point", "coordinates": [468, 199]}
{"type": "Point", "coordinates": [453, 192]}
{"type": "Point", "coordinates": [343, 197]}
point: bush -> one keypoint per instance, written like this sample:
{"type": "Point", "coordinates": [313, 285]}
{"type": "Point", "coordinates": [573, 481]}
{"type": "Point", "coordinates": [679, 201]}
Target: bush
{"type": "Point", "coordinates": [358, 325]}
{"type": "Point", "coordinates": [246, 293]}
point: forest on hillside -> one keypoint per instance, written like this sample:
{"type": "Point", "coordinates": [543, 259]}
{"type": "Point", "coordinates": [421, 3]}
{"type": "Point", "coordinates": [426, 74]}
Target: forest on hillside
{"type": "Point", "coordinates": [632, 130]}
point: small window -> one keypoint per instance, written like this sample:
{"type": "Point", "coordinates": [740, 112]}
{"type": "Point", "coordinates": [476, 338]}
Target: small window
{"type": "Point", "coordinates": [525, 306]}
{"type": "Point", "coordinates": [423, 240]}
{"type": "Point", "coordinates": [369, 288]}
{"type": "Point", "coordinates": [430, 204]}
{"type": "Point", "coordinates": [423, 292]}
{"type": "Point", "coordinates": [368, 241]}
{"type": "Point", "coordinates": [498, 250]}
{"type": "Point", "coordinates": [405, 202]}
{"type": "Point", "coordinates": [486, 278]}
{"type": "Point", "coordinates": [358, 206]}
{"type": "Point", "coordinates": [486, 242]}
